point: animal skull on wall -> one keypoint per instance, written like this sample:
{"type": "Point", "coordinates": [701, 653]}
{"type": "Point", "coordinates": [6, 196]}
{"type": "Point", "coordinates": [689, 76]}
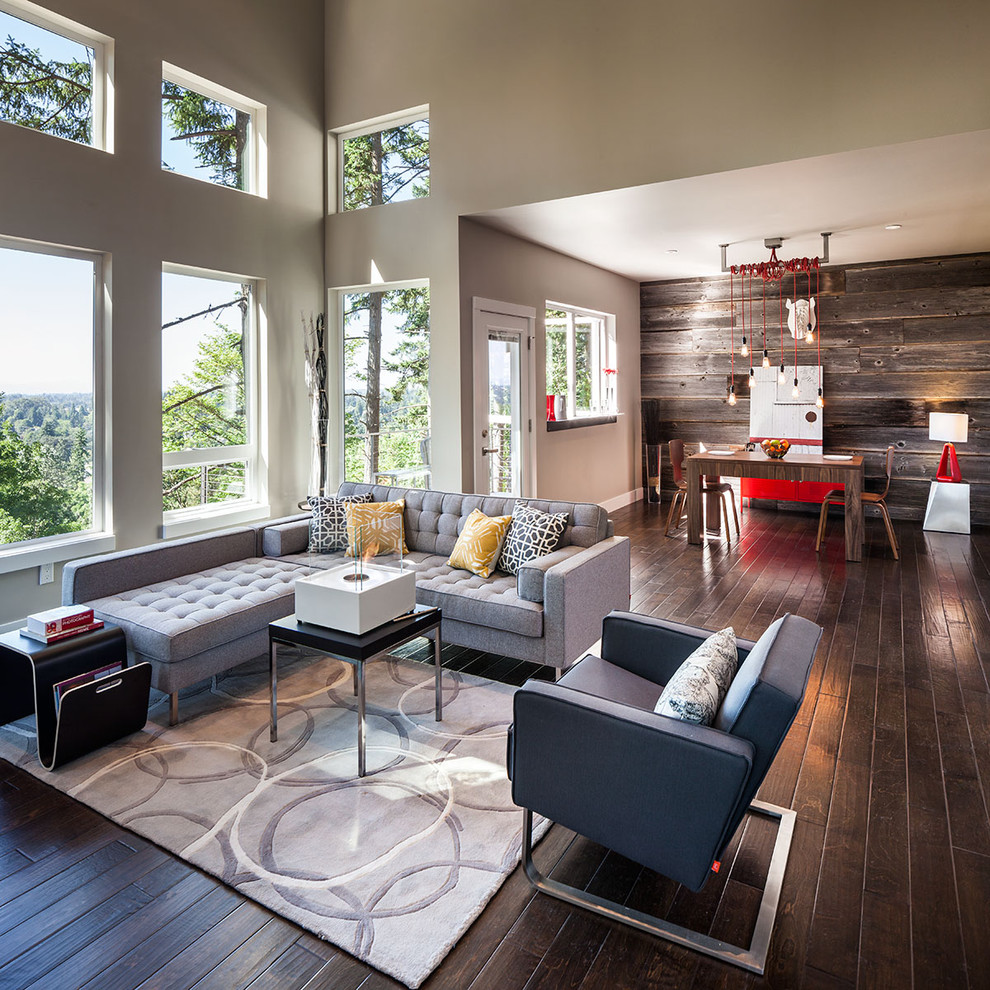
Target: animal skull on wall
{"type": "Point", "coordinates": [801, 319]}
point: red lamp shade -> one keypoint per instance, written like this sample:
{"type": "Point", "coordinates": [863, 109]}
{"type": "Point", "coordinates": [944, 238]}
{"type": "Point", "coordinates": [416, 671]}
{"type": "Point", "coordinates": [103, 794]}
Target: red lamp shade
{"type": "Point", "coordinates": [953, 428]}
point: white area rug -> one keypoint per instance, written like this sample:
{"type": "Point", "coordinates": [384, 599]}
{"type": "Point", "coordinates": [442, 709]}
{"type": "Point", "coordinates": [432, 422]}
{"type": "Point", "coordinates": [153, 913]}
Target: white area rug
{"type": "Point", "coordinates": [393, 867]}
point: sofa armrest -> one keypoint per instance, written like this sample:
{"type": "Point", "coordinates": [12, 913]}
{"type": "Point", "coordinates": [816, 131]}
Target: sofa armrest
{"type": "Point", "coordinates": [650, 787]}
{"type": "Point", "coordinates": [286, 537]}
{"type": "Point", "coordinates": [578, 593]}
{"type": "Point", "coordinates": [531, 577]}
{"type": "Point", "coordinates": [653, 648]}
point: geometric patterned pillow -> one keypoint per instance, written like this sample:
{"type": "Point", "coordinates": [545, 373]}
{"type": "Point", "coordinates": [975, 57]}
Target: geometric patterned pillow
{"type": "Point", "coordinates": [532, 533]}
{"type": "Point", "coordinates": [328, 527]}
{"type": "Point", "coordinates": [696, 689]}
{"type": "Point", "coordinates": [476, 549]}
{"type": "Point", "coordinates": [375, 528]}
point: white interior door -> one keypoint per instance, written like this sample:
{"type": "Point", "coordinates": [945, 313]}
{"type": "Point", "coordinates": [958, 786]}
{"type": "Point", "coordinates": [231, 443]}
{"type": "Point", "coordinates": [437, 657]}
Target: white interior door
{"type": "Point", "coordinates": [503, 405]}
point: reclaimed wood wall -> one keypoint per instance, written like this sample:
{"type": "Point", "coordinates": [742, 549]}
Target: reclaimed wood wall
{"type": "Point", "coordinates": [899, 339]}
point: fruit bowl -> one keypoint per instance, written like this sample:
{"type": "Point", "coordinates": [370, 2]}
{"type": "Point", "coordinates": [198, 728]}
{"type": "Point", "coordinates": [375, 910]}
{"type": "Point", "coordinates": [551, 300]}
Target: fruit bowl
{"type": "Point", "coordinates": [775, 448]}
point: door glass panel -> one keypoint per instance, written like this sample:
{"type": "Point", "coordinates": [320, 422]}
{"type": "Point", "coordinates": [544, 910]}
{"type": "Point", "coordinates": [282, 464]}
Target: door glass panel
{"type": "Point", "coordinates": [504, 440]}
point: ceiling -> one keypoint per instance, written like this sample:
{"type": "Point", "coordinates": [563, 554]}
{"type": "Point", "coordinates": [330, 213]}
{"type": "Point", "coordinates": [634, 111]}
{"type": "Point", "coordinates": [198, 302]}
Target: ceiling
{"type": "Point", "coordinates": [938, 190]}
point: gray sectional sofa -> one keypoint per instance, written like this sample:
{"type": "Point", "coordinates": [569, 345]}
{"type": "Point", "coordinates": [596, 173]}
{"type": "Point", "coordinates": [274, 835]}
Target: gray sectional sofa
{"type": "Point", "coordinates": [198, 606]}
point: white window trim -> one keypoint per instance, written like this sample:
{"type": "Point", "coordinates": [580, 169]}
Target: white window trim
{"type": "Point", "coordinates": [335, 361]}
{"type": "Point", "coordinates": [257, 158]}
{"type": "Point", "coordinates": [254, 504]}
{"type": "Point", "coordinates": [103, 63]}
{"type": "Point", "coordinates": [335, 148]}
{"type": "Point", "coordinates": [100, 537]}
{"type": "Point", "coordinates": [598, 359]}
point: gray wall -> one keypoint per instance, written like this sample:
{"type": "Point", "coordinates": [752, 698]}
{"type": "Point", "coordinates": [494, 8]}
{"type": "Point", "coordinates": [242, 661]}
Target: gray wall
{"type": "Point", "coordinates": [534, 101]}
{"type": "Point", "coordinates": [125, 205]}
{"type": "Point", "coordinates": [594, 463]}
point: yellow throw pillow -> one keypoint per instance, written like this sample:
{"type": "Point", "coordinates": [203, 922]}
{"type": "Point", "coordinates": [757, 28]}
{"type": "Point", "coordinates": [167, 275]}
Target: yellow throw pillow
{"type": "Point", "coordinates": [375, 528]}
{"type": "Point", "coordinates": [480, 542]}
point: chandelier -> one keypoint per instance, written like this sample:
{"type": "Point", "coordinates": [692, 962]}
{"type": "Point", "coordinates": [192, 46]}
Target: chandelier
{"type": "Point", "coordinates": [802, 314]}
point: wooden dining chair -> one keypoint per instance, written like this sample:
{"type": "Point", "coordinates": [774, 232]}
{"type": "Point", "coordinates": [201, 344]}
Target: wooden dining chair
{"type": "Point", "coordinates": [837, 497]}
{"type": "Point", "coordinates": [679, 503]}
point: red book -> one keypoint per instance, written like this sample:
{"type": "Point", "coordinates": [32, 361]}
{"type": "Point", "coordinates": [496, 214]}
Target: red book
{"type": "Point", "coordinates": [64, 634]}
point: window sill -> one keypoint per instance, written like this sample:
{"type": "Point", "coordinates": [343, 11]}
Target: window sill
{"type": "Point", "coordinates": [553, 425]}
{"type": "Point", "coordinates": [55, 550]}
{"type": "Point", "coordinates": [191, 522]}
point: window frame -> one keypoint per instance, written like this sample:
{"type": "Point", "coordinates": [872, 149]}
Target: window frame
{"type": "Point", "coordinates": [256, 180]}
{"type": "Point", "coordinates": [608, 360]}
{"type": "Point", "coordinates": [335, 152]}
{"type": "Point", "coordinates": [337, 365]}
{"type": "Point", "coordinates": [254, 503]}
{"type": "Point", "coordinates": [103, 66]}
{"type": "Point", "coordinates": [99, 538]}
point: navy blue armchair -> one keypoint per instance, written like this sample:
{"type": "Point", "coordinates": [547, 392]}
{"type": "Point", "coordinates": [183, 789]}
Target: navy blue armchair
{"type": "Point", "coordinates": [590, 753]}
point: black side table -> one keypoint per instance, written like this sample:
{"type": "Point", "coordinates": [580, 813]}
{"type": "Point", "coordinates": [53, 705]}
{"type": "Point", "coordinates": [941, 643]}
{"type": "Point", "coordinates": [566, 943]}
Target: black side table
{"type": "Point", "coordinates": [89, 715]}
{"type": "Point", "coordinates": [356, 650]}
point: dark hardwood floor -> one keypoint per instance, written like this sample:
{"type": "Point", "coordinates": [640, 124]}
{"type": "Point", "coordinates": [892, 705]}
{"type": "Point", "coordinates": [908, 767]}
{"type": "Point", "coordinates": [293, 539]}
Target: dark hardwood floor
{"type": "Point", "coordinates": [887, 766]}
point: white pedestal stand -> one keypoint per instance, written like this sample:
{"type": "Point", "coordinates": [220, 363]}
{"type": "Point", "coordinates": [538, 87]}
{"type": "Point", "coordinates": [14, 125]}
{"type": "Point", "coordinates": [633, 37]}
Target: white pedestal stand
{"type": "Point", "coordinates": [948, 507]}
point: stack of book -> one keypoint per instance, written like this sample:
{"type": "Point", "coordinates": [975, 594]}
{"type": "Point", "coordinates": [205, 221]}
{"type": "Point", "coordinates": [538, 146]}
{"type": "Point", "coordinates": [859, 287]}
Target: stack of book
{"type": "Point", "coordinates": [60, 623]}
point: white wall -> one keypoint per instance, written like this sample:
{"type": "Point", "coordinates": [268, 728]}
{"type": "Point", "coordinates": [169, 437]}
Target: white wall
{"type": "Point", "coordinates": [125, 205]}
{"type": "Point", "coordinates": [589, 464]}
{"type": "Point", "coordinates": [537, 100]}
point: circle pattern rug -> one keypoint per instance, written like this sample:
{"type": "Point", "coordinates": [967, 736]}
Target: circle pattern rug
{"type": "Point", "coordinates": [392, 867]}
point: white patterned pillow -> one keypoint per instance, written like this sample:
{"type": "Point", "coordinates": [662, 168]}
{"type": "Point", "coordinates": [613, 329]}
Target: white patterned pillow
{"type": "Point", "coordinates": [328, 527]}
{"type": "Point", "coordinates": [696, 689]}
{"type": "Point", "coordinates": [532, 533]}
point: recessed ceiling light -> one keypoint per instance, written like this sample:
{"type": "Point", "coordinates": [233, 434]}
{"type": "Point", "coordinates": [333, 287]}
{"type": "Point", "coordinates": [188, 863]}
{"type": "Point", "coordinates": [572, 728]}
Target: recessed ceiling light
{"type": "Point", "coordinates": [892, 226]}
{"type": "Point", "coordinates": [671, 250]}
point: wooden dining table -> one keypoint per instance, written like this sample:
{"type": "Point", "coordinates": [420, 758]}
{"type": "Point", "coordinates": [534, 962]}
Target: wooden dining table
{"type": "Point", "coordinates": [793, 467]}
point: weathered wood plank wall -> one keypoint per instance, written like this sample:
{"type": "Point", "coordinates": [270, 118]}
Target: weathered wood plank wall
{"type": "Point", "coordinates": [899, 339]}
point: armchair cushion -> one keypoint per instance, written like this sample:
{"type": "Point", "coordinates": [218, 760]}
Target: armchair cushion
{"type": "Point", "coordinates": [697, 688]}
{"type": "Point", "coordinates": [597, 677]}
{"type": "Point", "coordinates": [749, 674]}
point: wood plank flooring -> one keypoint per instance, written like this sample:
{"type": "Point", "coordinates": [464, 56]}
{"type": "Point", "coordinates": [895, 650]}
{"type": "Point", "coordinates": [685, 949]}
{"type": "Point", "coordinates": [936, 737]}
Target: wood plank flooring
{"type": "Point", "coordinates": [887, 766]}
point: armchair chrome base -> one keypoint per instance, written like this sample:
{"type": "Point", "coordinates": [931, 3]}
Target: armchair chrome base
{"type": "Point", "coordinates": [753, 958]}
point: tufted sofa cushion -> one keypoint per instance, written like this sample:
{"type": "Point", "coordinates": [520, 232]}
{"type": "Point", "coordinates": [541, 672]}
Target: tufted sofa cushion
{"type": "Point", "coordinates": [182, 616]}
{"type": "Point", "coordinates": [492, 601]}
{"type": "Point", "coordinates": [433, 519]}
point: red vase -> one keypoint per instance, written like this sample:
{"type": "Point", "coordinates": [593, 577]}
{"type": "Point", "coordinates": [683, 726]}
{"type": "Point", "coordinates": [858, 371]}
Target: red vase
{"type": "Point", "coordinates": [550, 416]}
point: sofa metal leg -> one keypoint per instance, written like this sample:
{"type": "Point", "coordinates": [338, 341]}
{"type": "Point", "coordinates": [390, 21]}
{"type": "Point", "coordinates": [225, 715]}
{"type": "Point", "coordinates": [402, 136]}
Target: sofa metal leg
{"type": "Point", "coordinates": [173, 708]}
{"type": "Point", "coordinates": [753, 958]}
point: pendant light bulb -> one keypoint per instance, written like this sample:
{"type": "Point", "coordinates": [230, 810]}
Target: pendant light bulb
{"type": "Point", "coordinates": [744, 350]}
{"type": "Point", "coordinates": [732, 395]}
{"type": "Point", "coordinates": [809, 336]}
{"type": "Point", "coordinates": [781, 377]}
{"type": "Point", "coordinates": [820, 401]}
{"type": "Point", "coordinates": [796, 391]}
{"type": "Point", "coordinates": [751, 374]}
{"type": "Point", "coordinates": [766, 358]}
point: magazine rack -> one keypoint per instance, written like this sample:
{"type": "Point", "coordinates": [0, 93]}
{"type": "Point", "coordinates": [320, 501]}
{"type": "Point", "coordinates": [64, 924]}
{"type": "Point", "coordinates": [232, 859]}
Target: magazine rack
{"type": "Point", "coordinates": [89, 715]}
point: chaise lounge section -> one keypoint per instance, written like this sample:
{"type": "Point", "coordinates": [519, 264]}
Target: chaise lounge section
{"type": "Point", "coordinates": [193, 608]}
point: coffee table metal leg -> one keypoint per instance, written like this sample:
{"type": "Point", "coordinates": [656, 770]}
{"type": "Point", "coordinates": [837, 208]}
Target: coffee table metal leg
{"type": "Point", "coordinates": [273, 685]}
{"type": "Point", "coordinates": [359, 674]}
{"type": "Point", "coordinates": [437, 645]}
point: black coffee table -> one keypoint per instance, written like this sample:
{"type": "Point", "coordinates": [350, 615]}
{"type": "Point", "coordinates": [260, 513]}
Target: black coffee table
{"type": "Point", "coordinates": [355, 650]}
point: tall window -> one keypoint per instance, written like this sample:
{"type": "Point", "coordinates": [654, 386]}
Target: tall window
{"type": "Point", "coordinates": [212, 133]}
{"type": "Point", "coordinates": [385, 161]}
{"type": "Point", "coordinates": [209, 391]}
{"type": "Point", "coordinates": [51, 467]}
{"type": "Point", "coordinates": [386, 385]}
{"type": "Point", "coordinates": [55, 75]}
{"type": "Point", "coordinates": [581, 360]}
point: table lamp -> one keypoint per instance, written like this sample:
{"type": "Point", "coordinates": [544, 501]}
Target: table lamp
{"type": "Point", "coordinates": [952, 428]}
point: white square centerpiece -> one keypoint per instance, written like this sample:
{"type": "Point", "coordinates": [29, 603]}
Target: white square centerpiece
{"type": "Point", "coordinates": [355, 598]}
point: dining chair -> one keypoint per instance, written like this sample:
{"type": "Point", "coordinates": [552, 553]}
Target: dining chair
{"type": "Point", "coordinates": [837, 497]}
{"type": "Point", "coordinates": [720, 488]}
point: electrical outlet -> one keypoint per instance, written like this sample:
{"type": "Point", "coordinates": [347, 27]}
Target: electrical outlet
{"type": "Point", "coordinates": [46, 574]}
